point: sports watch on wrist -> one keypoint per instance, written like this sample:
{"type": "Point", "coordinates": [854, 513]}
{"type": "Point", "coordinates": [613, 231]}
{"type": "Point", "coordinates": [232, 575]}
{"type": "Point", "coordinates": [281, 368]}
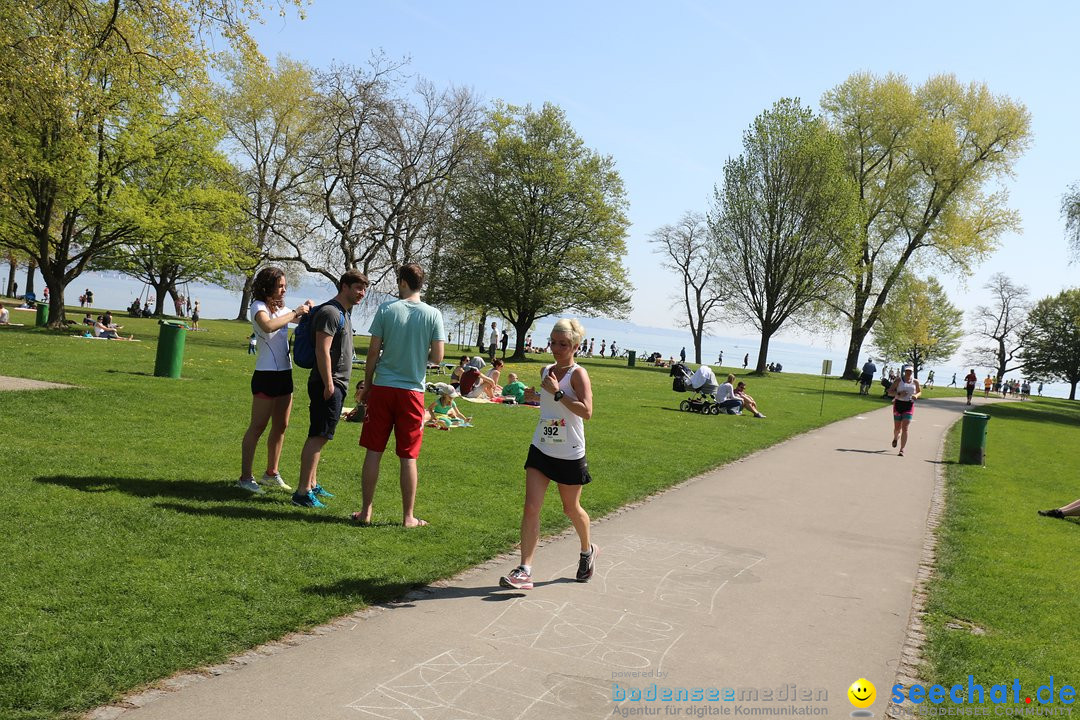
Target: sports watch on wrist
{"type": "Point", "coordinates": [559, 395]}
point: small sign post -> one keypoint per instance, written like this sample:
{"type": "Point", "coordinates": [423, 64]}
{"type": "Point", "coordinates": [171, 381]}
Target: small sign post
{"type": "Point", "coordinates": [826, 371]}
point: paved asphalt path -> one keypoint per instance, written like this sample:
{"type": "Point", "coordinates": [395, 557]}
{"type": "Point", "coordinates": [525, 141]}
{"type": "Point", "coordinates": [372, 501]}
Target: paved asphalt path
{"type": "Point", "coordinates": [789, 572]}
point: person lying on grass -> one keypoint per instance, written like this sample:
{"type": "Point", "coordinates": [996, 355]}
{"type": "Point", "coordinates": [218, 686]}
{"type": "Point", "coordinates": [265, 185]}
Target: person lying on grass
{"type": "Point", "coordinates": [445, 413]}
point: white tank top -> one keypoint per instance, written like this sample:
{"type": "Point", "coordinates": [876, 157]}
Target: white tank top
{"type": "Point", "coordinates": [560, 433]}
{"type": "Point", "coordinates": [904, 390]}
{"type": "Point", "coordinates": [273, 348]}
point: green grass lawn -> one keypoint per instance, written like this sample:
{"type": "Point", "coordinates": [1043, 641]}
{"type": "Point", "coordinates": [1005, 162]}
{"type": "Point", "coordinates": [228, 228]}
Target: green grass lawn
{"type": "Point", "coordinates": [1003, 570]}
{"type": "Point", "coordinates": [130, 555]}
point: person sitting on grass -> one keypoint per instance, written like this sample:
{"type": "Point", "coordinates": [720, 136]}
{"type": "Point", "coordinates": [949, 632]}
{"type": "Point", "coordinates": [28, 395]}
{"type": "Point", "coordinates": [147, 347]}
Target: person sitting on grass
{"type": "Point", "coordinates": [747, 401]}
{"type": "Point", "coordinates": [444, 411]}
{"type": "Point", "coordinates": [487, 385]}
{"type": "Point", "coordinates": [5, 315]}
{"type": "Point", "coordinates": [455, 374]}
{"type": "Point", "coordinates": [726, 399]}
{"type": "Point", "coordinates": [515, 389]}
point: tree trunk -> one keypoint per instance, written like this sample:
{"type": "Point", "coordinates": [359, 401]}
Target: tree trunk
{"type": "Point", "coordinates": [11, 275]}
{"type": "Point", "coordinates": [521, 328]}
{"type": "Point", "coordinates": [1072, 390]}
{"type": "Point", "coordinates": [55, 283]}
{"type": "Point", "coordinates": [30, 268]}
{"type": "Point", "coordinates": [763, 353]}
{"type": "Point", "coordinates": [161, 287]}
{"type": "Point", "coordinates": [245, 297]}
{"type": "Point", "coordinates": [697, 333]}
{"type": "Point", "coordinates": [851, 364]}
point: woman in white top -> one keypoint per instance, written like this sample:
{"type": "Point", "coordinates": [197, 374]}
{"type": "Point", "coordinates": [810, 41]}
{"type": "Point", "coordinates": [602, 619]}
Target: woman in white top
{"type": "Point", "coordinates": [905, 390]}
{"type": "Point", "coordinates": [557, 453]}
{"type": "Point", "coordinates": [271, 383]}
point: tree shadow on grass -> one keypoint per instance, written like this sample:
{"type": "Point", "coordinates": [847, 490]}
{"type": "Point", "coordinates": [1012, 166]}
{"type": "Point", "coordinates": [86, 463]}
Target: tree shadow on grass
{"type": "Point", "coordinates": [1028, 413]}
{"type": "Point", "coordinates": [154, 487]}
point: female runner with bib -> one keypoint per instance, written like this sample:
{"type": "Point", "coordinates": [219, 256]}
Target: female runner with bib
{"type": "Point", "coordinates": [905, 391]}
{"type": "Point", "coordinates": [557, 453]}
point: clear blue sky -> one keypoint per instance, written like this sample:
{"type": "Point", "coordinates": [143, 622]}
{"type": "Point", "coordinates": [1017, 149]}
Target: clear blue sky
{"type": "Point", "coordinates": [668, 88]}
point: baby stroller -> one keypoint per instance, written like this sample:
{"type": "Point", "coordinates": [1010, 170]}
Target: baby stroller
{"type": "Point", "coordinates": [704, 399]}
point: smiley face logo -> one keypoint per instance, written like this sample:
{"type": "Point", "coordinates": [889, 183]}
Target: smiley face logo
{"type": "Point", "coordinates": [862, 693]}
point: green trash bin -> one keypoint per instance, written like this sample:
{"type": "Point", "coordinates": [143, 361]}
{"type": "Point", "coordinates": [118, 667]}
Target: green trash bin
{"type": "Point", "coordinates": [631, 358]}
{"type": "Point", "coordinates": [973, 438]}
{"type": "Point", "coordinates": [42, 315]}
{"type": "Point", "coordinates": [170, 349]}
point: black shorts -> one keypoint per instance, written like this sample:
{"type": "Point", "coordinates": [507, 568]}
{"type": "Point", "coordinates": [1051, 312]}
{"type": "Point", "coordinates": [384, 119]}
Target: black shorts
{"type": "Point", "coordinates": [272, 383]}
{"type": "Point", "coordinates": [324, 414]}
{"type": "Point", "coordinates": [564, 472]}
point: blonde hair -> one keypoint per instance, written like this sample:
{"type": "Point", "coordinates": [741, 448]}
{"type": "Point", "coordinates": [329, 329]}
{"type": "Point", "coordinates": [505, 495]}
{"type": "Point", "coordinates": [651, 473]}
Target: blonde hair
{"type": "Point", "coordinates": [731, 377]}
{"type": "Point", "coordinates": [571, 327]}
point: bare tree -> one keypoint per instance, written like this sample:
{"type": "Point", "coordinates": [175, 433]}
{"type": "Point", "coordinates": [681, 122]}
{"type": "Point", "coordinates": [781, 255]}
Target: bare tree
{"type": "Point", "coordinates": [1002, 327]}
{"type": "Point", "coordinates": [689, 250]}
{"type": "Point", "coordinates": [269, 115]}
{"type": "Point", "coordinates": [384, 163]}
{"type": "Point", "coordinates": [1070, 208]}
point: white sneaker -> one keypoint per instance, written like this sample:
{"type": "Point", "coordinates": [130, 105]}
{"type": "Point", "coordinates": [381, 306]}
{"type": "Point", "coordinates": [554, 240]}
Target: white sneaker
{"type": "Point", "coordinates": [250, 485]}
{"type": "Point", "coordinates": [274, 481]}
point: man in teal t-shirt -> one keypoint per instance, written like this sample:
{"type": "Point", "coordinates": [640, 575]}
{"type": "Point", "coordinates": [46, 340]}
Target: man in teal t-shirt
{"type": "Point", "coordinates": [406, 335]}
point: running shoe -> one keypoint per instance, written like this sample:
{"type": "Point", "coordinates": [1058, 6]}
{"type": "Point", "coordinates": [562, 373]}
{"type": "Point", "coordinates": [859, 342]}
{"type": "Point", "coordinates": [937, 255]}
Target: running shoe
{"type": "Point", "coordinates": [322, 492]}
{"type": "Point", "coordinates": [1052, 512]}
{"type": "Point", "coordinates": [586, 564]}
{"type": "Point", "coordinates": [901, 453]}
{"type": "Point", "coordinates": [273, 481]}
{"type": "Point", "coordinates": [250, 485]}
{"type": "Point", "coordinates": [307, 500]}
{"type": "Point", "coordinates": [517, 579]}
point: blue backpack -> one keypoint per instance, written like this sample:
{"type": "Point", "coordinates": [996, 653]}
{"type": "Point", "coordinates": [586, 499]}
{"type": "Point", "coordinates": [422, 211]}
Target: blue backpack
{"type": "Point", "coordinates": [304, 337]}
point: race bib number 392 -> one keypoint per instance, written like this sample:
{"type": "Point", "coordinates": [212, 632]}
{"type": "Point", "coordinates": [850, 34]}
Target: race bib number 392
{"type": "Point", "coordinates": [553, 431]}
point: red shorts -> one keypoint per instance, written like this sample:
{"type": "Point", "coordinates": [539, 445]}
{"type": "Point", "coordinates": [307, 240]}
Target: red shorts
{"type": "Point", "coordinates": [394, 408]}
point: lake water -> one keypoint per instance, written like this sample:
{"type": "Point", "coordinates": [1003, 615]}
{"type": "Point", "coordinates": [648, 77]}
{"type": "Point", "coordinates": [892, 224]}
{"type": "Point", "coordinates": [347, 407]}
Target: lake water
{"type": "Point", "coordinates": [795, 353]}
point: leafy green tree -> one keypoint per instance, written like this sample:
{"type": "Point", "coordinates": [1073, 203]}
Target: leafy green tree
{"type": "Point", "coordinates": [538, 224]}
{"type": "Point", "coordinates": [781, 220]}
{"type": "Point", "coordinates": [919, 325]}
{"type": "Point", "coordinates": [688, 249]}
{"type": "Point", "coordinates": [80, 81]}
{"type": "Point", "coordinates": [1052, 351]}
{"type": "Point", "coordinates": [186, 208]}
{"type": "Point", "coordinates": [923, 159]}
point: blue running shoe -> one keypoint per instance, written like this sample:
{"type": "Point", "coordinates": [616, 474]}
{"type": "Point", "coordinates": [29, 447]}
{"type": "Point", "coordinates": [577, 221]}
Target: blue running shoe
{"type": "Point", "coordinates": [307, 500]}
{"type": "Point", "coordinates": [319, 491]}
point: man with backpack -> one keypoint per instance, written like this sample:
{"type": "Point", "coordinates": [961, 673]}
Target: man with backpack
{"type": "Point", "coordinates": [331, 333]}
{"type": "Point", "coordinates": [409, 334]}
